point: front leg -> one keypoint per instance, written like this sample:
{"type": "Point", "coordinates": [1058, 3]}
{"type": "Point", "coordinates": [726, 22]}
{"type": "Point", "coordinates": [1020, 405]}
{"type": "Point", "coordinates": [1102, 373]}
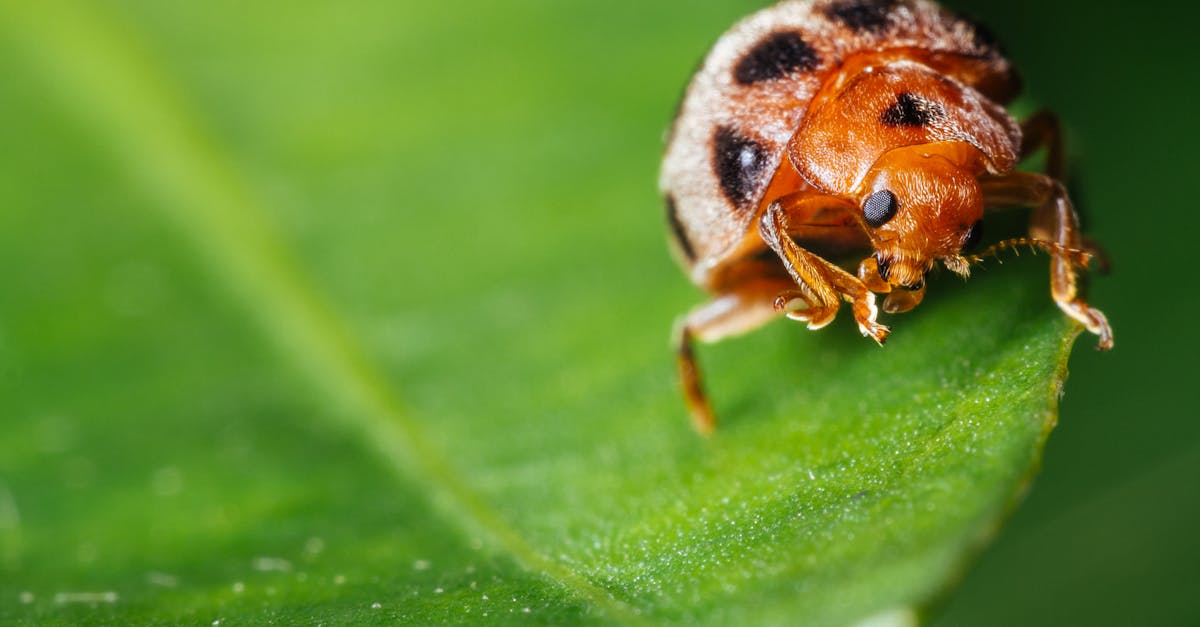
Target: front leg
{"type": "Point", "coordinates": [1054, 221]}
{"type": "Point", "coordinates": [820, 282]}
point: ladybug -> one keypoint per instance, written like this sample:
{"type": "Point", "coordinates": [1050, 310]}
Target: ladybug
{"type": "Point", "coordinates": [821, 129]}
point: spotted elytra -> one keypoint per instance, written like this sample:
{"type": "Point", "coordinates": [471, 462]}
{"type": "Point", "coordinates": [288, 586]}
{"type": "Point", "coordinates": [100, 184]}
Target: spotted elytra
{"type": "Point", "coordinates": [815, 129]}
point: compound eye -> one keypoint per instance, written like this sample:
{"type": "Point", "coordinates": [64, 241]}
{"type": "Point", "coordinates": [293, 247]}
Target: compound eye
{"type": "Point", "coordinates": [879, 208]}
{"type": "Point", "coordinates": [974, 236]}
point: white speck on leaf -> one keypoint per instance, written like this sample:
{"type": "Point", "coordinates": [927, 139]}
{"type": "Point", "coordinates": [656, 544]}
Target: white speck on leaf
{"type": "Point", "coordinates": [277, 564]}
{"type": "Point", "coordinates": [62, 598]}
{"type": "Point", "coordinates": [164, 580]}
{"type": "Point", "coordinates": [314, 545]}
{"type": "Point", "coordinates": [167, 481]}
{"type": "Point", "coordinates": [896, 617]}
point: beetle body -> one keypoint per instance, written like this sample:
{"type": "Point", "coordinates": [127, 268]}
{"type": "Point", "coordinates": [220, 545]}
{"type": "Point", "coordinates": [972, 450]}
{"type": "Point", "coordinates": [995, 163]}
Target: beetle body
{"type": "Point", "coordinates": [817, 129]}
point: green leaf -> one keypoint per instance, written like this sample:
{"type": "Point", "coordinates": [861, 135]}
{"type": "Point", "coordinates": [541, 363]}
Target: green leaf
{"type": "Point", "coordinates": [317, 315]}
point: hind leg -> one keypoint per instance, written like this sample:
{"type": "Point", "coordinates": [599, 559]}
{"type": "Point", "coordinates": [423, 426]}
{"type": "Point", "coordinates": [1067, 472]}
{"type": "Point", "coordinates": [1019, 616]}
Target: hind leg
{"type": "Point", "coordinates": [734, 312]}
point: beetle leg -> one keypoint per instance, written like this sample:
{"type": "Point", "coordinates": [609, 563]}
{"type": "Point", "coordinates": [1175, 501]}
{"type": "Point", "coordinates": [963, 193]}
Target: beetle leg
{"type": "Point", "coordinates": [818, 279]}
{"type": "Point", "coordinates": [739, 310]}
{"type": "Point", "coordinates": [1042, 129]}
{"type": "Point", "coordinates": [1054, 220]}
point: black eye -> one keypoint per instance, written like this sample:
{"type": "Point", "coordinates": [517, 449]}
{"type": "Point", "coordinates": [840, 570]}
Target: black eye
{"type": "Point", "coordinates": [879, 208]}
{"type": "Point", "coordinates": [974, 236]}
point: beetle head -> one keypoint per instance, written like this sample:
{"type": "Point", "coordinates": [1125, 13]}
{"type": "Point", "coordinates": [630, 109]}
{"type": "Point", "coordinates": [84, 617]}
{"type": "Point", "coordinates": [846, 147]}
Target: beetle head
{"type": "Point", "coordinates": [919, 205]}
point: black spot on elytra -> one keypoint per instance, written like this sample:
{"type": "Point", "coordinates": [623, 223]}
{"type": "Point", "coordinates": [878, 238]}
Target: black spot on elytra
{"type": "Point", "coordinates": [910, 110]}
{"type": "Point", "coordinates": [740, 164]}
{"type": "Point", "coordinates": [677, 231]}
{"type": "Point", "coordinates": [776, 56]}
{"type": "Point", "coordinates": [870, 16]}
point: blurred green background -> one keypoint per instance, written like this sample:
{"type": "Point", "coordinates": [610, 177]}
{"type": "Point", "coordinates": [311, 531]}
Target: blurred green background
{"type": "Point", "coordinates": [390, 143]}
